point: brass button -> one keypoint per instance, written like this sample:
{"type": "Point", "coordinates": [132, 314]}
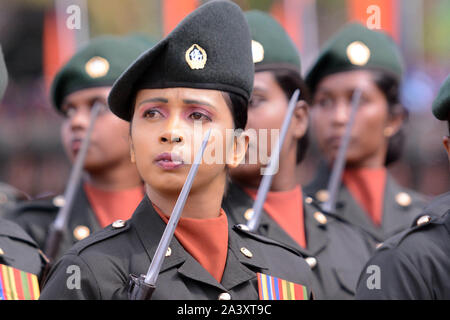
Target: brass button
{"type": "Point", "coordinates": [423, 220]}
{"type": "Point", "coordinates": [224, 296]}
{"type": "Point", "coordinates": [246, 252]}
{"type": "Point", "coordinates": [243, 227]}
{"type": "Point", "coordinates": [311, 261]}
{"type": "Point", "coordinates": [168, 252]}
{"type": "Point", "coordinates": [308, 200]}
{"type": "Point", "coordinates": [403, 199]}
{"type": "Point", "coordinates": [59, 201]}
{"type": "Point", "coordinates": [248, 214]}
{"type": "Point", "coordinates": [322, 195]}
{"type": "Point", "coordinates": [81, 232]}
{"type": "Point", "coordinates": [118, 224]}
{"type": "Point", "coordinates": [2, 252]}
{"type": "Point", "coordinates": [320, 217]}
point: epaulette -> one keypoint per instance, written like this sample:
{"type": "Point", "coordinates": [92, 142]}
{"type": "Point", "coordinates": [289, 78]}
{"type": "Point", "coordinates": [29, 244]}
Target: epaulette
{"type": "Point", "coordinates": [14, 231]}
{"type": "Point", "coordinates": [110, 231]}
{"type": "Point", "coordinates": [422, 222]}
{"type": "Point", "coordinates": [244, 230]}
{"type": "Point", "coordinates": [46, 205]}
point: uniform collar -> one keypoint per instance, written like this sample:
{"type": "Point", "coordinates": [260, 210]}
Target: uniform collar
{"type": "Point", "coordinates": [238, 268]}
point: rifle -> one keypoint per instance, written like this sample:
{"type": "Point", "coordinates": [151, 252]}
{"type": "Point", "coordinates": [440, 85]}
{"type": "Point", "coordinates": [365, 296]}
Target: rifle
{"type": "Point", "coordinates": [339, 162]}
{"type": "Point", "coordinates": [59, 226]}
{"type": "Point", "coordinates": [142, 288]}
{"type": "Point", "coordinates": [266, 181]}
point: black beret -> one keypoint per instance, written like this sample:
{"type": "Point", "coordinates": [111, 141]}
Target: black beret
{"type": "Point", "coordinates": [3, 75]}
{"type": "Point", "coordinates": [98, 64]}
{"type": "Point", "coordinates": [356, 47]}
{"type": "Point", "coordinates": [209, 49]}
{"type": "Point", "coordinates": [441, 105]}
{"type": "Point", "coordinates": [272, 47]}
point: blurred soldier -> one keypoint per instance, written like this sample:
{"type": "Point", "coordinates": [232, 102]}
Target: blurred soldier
{"type": "Point", "coordinates": [8, 194]}
{"type": "Point", "coordinates": [415, 264]}
{"type": "Point", "coordinates": [368, 197]}
{"type": "Point", "coordinates": [335, 251]}
{"type": "Point", "coordinates": [21, 262]}
{"type": "Point", "coordinates": [201, 73]}
{"type": "Point", "coordinates": [111, 187]}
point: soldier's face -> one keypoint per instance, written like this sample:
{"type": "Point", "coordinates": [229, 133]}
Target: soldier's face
{"type": "Point", "coordinates": [331, 113]}
{"type": "Point", "coordinates": [167, 128]}
{"type": "Point", "coordinates": [109, 145]}
{"type": "Point", "coordinates": [266, 112]}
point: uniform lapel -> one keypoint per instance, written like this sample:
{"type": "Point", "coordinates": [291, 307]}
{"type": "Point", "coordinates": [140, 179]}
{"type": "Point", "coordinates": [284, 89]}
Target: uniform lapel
{"type": "Point", "coordinates": [394, 215]}
{"type": "Point", "coordinates": [150, 228]}
{"type": "Point", "coordinates": [82, 214]}
{"type": "Point", "coordinates": [316, 236]}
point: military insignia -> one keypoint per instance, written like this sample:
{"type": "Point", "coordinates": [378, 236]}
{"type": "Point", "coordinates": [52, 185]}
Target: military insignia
{"type": "Point", "coordinates": [97, 67]}
{"type": "Point", "coordinates": [257, 51]}
{"type": "Point", "coordinates": [196, 57]}
{"type": "Point", "coordinates": [358, 53]}
{"type": "Point", "coordinates": [16, 284]}
{"type": "Point", "coordinates": [272, 288]}
{"type": "Point", "coordinates": [81, 232]}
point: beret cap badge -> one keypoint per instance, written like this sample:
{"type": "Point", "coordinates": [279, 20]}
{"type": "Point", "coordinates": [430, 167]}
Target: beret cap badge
{"type": "Point", "coordinates": [196, 57]}
{"type": "Point", "coordinates": [358, 53]}
{"type": "Point", "coordinates": [257, 51]}
{"type": "Point", "coordinates": [97, 67]}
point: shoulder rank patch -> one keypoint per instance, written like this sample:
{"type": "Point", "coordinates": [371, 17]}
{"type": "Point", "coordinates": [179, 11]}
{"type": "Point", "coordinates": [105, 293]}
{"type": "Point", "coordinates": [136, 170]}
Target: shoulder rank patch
{"type": "Point", "coordinates": [272, 288]}
{"type": "Point", "coordinates": [16, 284]}
{"type": "Point", "coordinates": [196, 57]}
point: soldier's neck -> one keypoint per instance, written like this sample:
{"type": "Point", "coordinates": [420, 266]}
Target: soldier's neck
{"type": "Point", "coordinates": [120, 178]}
{"type": "Point", "coordinates": [202, 202]}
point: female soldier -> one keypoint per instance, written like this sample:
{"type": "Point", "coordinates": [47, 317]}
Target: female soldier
{"type": "Point", "coordinates": [111, 187]}
{"type": "Point", "coordinates": [335, 251]}
{"type": "Point", "coordinates": [200, 73]}
{"type": "Point", "coordinates": [369, 197]}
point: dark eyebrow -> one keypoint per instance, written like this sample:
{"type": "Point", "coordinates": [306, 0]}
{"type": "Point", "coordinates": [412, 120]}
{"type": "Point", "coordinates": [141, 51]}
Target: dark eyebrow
{"type": "Point", "coordinates": [163, 100]}
{"type": "Point", "coordinates": [189, 101]}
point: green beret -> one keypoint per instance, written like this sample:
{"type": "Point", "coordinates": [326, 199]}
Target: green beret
{"type": "Point", "coordinates": [3, 75]}
{"type": "Point", "coordinates": [209, 49]}
{"type": "Point", "coordinates": [98, 64]}
{"type": "Point", "coordinates": [356, 47]}
{"type": "Point", "coordinates": [272, 47]}
{"type": "Point", "coordinates": [441, 105]}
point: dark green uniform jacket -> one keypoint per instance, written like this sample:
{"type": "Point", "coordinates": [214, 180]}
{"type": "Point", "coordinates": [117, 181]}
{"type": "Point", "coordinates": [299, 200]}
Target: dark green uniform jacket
{"type": "Point", "coordinates": [401, 206]}
{"type": "Point", "coordinates": [336, 251]}
{"type": "Point", "coordinates": [18, 250]}
{"type": "Point", "coordinates": [107, 258]}
{"type": "Point", "coordinates": [414, 264]}
{"type": "Point", "coordinates": [36, 216]}
{"type": "Point", "coordinates": [9, 196]}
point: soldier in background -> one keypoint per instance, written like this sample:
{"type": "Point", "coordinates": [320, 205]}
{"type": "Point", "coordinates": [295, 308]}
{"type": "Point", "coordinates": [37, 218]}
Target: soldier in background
{"type": "Point", "coordinates": [368, 197]}
{"type": "Point", "coordinates": [111, 187]}
{"type": "Point", "coordinates": [8, 194]}
{"type": "Point", "coordinates": [334, 249]}
{"type": "Point", "coordinates": [415, 264]}
{"type": "Point", "coordinates": [21, 261]}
